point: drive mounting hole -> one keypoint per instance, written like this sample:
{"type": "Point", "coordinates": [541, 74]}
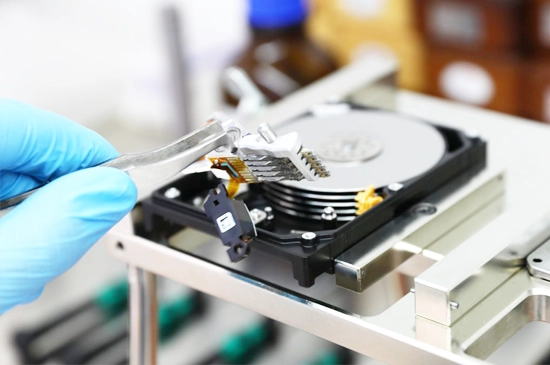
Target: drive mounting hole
{"type": "Point", "coordinates": [120, 246]}
{"type": "Point", "coordinates": [537, 260]}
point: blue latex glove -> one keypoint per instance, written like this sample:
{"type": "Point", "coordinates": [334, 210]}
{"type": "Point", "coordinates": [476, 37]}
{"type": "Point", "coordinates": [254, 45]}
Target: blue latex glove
{"type": "Point", "coordinates": [49, 232]}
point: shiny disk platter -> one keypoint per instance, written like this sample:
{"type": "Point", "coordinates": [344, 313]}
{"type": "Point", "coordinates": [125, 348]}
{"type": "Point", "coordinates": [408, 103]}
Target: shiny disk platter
{"type": "Point", "coordinates": [360, 148]}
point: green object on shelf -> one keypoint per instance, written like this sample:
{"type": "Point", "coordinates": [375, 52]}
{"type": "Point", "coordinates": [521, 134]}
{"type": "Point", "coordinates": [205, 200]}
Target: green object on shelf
{"type": "Point", "coordinates": [336, 356]}
{"type": "Point", "coordinates": [242, 347]}
{"type": "Point", "coordinates": [330, 358]}
{"type": "Point", "coordinates": [113, 299]}
{"type": "Point", "coordinates": [174, 314]}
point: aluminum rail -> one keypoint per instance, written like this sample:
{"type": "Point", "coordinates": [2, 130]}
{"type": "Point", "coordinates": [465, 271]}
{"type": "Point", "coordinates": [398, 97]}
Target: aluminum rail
{"type": "Point", "coordinates": [361, 334]}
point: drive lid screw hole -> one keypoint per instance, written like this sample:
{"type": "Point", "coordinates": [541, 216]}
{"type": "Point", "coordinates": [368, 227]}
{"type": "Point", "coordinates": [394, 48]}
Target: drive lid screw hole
{"type": "Point", "coordinates": [120, 246]}
{"type": "Point", "coordinates": [537, 260]}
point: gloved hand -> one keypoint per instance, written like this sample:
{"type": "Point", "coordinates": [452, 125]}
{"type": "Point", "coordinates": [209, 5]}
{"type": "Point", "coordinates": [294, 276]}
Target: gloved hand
{"type": "Point", "coordinates": [48, 233]}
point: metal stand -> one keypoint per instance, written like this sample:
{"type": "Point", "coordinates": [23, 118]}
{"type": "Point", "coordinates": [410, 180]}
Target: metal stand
{"type": "Point", "coordinates": [143, 317]}
{"type": "Point", "coordinates": [469, 293]}
{"type": "Point", "coordinates": [403, 330]}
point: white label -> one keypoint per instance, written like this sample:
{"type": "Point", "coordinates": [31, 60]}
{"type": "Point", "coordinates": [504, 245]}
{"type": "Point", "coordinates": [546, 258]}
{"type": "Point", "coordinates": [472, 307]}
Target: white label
{"type": "Point", "coordinates": [546, 105]}
{"type": "Point", "coordinates": [364, 8]}
{"type": "Point", "coordinates": [544, 25]}
{"type": "Point", "coordinates": [455, 22]}
{"type": "Point", "coordinates": [467, 82]}
{"type": "Point", "coordinates": [226, 222]}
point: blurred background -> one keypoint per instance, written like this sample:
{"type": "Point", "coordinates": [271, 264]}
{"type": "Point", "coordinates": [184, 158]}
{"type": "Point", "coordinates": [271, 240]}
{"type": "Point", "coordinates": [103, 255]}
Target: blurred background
{"type": "Point", "coordinates": [141, 72]}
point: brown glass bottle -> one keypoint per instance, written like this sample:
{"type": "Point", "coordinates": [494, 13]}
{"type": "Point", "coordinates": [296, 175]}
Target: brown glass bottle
{"type": "Point", "coordinates": [282, 60]}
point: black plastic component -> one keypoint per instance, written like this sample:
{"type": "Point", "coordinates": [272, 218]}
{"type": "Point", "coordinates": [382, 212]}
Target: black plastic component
{"type": "Point", "coordinates": [232, 221]}
{"type": "Point", "coordinates": [465, 156]}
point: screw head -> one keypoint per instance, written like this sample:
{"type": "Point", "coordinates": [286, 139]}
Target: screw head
{"type": "Point", "coordinates": [309, 239]}
{"type": "Point", "coordinates": [329, 214]}
{"type": "Point", "coordinates": [172, 193]}
{"type": "Point", "coordinates": [424, 209]}
{"type": "Point", "coordinates": [328, 210]}
{"type": "Point", "coordinates": [269, 212]}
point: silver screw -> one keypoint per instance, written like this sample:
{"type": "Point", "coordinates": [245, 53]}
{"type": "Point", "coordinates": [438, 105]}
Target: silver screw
{"type": "Point", "coordinates": [328, 214]}
{"type": "Point", "coordinates": [309, 239]}
{"type": "Point", "coordinates": [329, 218]}
{"type": "Point", "coordinates": [424, 209]}
{"type": "Point", "coordinates": [395, 186]}
{"type": "Point", "coordinates": [267, 133]}
{"type": "Point", "coordinates": [198, 201]}
{"type": "Point", "coordinates": [454, 305]}
{"type": "Point", "coordinates": [254, 214]}
{"type": "Point", "coordinates": [269, 212]}
{"type": "Point", "coordinates": [172, 193]}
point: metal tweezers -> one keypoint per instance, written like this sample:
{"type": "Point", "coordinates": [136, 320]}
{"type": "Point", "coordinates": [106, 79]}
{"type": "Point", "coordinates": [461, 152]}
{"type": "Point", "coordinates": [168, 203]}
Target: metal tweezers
{"type": "Point", "coordinates": [149, 169]}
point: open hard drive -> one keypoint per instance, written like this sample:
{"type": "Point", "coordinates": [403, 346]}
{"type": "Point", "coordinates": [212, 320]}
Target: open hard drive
{"type": "Point", "coordinates": [382, 164]}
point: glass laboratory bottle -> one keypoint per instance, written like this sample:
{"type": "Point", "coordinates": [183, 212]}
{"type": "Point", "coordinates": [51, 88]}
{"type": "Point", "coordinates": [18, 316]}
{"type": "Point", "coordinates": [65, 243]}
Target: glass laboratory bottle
{"type": "Point", "coordinates": [280, 58]}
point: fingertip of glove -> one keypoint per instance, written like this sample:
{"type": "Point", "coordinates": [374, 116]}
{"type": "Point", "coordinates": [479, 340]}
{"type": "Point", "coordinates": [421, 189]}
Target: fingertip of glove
{"type": "Point", "coordinates": [116, 185]}
{"type": "Point", "coordinates": [101, 194]}
{"type": "Point", "coordinates": [46, 145]}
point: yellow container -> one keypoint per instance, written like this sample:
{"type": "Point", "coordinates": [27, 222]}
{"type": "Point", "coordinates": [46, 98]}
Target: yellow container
{"type": "Point", "coordinates": [389, 14]}
{"type": "Point", "coordinates": [390, 32]}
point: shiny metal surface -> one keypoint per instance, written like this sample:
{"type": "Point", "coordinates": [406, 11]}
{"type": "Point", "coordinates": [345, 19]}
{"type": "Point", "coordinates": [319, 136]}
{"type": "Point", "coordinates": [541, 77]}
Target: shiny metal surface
{"type": "Point", "coordinates": [372, 147]}
{"type": "Point", "coordinates": [520, 299]}
{"type": "Point", "coordinates": [483, 262]}
{"type": "Point", "coordinates": [267, 133]}
{"type": "Point", "coordinates": [409, 234]}
{"type": "Point", "coordinates": [380, 324]}
{"type": "Point", "coordinates": [387, 336]}
{"type": "Point", "coordinates": [538, 262]}
{"type": "Point", "coordinates": [149, 169]}
{"type": "Point", "coordinates": [392, 335]}
{"type": "Point", "coordinates": [154, 167]}
{"type": "Point", "coordinates": [143, 316]}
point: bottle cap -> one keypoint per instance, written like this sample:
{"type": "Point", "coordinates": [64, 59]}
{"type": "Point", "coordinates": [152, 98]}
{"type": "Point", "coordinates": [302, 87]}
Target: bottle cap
{"type": "Point", "coordinates": [270, 14]}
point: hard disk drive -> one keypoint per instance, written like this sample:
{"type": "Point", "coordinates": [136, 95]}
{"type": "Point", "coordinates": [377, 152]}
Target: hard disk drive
{"type": "Point", "coordinates": [382, 164]}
